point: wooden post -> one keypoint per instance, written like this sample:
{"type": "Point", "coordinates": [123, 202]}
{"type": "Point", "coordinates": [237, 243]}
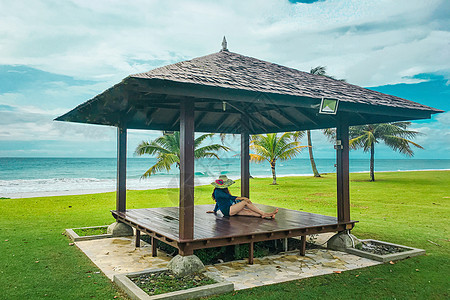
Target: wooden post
{"type": "Point", "coordinates": [303, 245]}
{"type": "Point", "coordinates": [250, 253]}
{"type": "Point", "coordinates": [186, 209]}
{"type": "Point", "coordinates": [154, 247]}
{"type": "Point", "coordinates": [342, 170]}
{"type": "Point", "coordinates": [121, 187]}
{"type": "Point", "coordinates": [245, 164]}
{"type": "Point", "coordinates": [138, 238]}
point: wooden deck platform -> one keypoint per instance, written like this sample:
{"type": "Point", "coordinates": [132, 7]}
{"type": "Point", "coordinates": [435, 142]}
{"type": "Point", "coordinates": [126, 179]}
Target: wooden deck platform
{"type": "Point", "coordinates": [214, 230]}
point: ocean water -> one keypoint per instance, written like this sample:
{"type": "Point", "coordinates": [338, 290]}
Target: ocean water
{"type": "Point", "coordinates": [27, 177]}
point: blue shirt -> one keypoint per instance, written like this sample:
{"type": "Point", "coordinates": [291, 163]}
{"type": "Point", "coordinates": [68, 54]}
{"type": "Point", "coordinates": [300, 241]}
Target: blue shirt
{"type": "Point", "coordinates": [223, 201]}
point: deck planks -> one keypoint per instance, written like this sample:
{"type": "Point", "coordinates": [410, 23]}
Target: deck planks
{"type": "Point", "coordinates": [207, 226]}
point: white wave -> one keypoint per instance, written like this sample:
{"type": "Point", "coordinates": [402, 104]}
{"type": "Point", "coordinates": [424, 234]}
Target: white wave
{"type": "Point", "coordinates": [76, 186]}
{"type": "Point", "coordinates": [10, 188]}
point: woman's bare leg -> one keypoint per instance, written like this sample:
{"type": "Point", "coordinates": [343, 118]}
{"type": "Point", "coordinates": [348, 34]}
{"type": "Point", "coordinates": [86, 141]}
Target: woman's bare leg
{"type": "Point", "coordinates": [236, 208]}
{"type": "Point", "coordinates": [263, 214]}
{"type": "Point", "coordinates": [272, 214]}
{"type": "Point", "coordinates": [248, 213]}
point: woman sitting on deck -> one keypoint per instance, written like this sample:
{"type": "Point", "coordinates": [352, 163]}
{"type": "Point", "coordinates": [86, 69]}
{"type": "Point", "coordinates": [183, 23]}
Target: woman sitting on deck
{"type": "Point", "coordinates": [231, 205]}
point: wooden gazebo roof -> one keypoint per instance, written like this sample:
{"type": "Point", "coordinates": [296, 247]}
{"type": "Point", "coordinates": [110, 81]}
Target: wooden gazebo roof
{"type": "Point", "coordinates": [227, 85]}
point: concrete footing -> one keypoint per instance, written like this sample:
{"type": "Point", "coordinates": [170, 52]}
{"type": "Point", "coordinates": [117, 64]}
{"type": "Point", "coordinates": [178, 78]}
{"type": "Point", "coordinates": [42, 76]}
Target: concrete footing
{"type": "Point", "coordinates": [185, 265]}
{"type": "Point", "coordinates": [118, 229]}
{"type": "Point", "coordinates": [342, 240]}
{"type": "Point", "coordinates": [409, 252]}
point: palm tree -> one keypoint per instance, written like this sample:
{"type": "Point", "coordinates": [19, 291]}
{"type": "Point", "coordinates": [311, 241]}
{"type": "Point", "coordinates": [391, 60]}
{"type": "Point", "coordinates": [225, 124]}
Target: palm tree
{"type": "Point", "coordinates": [394, 135]}
{"type": "Point", "coordinates": [322, 71]}
{"type": "Point", "coordinates": [167, 150]}
{"type": "Point", "coordinates": [272, 147]}
{"type": "Point", "coordinates": [300, 135]}
{"type": "Point", "coordinates": [311, 156]}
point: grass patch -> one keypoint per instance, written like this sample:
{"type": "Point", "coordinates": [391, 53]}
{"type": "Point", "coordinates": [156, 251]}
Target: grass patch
{"type": "Point", "coordinates": [91, 231]}
{"type": "Point", "coordinates": [406, 208]}
{"type": "Point", "coordinates": [166, 282]}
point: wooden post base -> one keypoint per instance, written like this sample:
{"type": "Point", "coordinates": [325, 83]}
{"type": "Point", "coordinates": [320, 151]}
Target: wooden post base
{"type": "Point", "coordinates": [303, 245]}
{"type": "Point", "coordinates": [154, 247]}
{"type": "Point", "coordinates": [185, 249]}
{"type": "Point", "coordinates": [138, 238]}
{"type": "Point", "coordinates": [250, 253]}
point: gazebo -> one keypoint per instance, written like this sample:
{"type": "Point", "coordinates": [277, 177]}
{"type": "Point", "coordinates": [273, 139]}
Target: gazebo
{"type": "Point", "coordinates": [226, 92]}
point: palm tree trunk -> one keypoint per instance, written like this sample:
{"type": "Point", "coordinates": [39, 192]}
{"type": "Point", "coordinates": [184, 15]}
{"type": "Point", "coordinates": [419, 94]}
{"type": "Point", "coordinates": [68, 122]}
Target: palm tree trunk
{"type": "Point", "coordinates": [311, 157]}
{"type": "Point", "coordinates": [272, 165]}
{"type": "Point", "coordinates": [372, 162]}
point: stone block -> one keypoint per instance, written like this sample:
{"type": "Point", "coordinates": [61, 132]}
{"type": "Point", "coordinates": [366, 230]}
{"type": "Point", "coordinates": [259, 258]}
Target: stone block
{"type": "Point", "coordinates": [342, 240]}
{"type": "Point", "coordinates": [185, 265]}
{"type": "Point", "coordinates": [118, 229]}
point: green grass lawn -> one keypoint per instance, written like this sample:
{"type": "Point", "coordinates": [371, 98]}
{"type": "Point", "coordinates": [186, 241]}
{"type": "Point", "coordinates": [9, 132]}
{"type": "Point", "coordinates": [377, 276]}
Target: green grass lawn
{"type": "Point", "coordinates": [409, 208]}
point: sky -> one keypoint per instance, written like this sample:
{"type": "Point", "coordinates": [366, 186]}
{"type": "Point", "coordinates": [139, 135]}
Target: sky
{"type": "Point", "coordinates": [55, 55]}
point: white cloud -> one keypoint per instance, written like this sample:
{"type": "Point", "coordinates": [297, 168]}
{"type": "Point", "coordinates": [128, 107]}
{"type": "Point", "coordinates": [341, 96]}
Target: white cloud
{"type": "Point", "coordinates": [435, 136]}
{"type": "Point", "coordinates": [444, 119]}
{"type": "Point", "coordinates": [28, 123]}
{"type": "Point", "coordinates": [368, 43]}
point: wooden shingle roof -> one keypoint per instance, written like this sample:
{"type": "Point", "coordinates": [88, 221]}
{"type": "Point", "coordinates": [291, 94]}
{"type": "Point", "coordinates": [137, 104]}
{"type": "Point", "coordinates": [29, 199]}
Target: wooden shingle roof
{"type": "Point", "coordinates": [273, 97]}
{"type": "Point", "coordinates": [231, 70]}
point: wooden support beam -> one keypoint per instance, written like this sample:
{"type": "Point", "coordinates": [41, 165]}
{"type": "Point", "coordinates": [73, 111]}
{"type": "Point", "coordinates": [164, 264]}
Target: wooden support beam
{"type": "Point", "coordinates": [121, 185]}
{"type": "Point", "coordinates": [303, 245]}
{"type": "Point", "coordinates": [248, 116]}
{"type": "Point", "coordinates": [159, 86]}
{"type": "Point", "coordinates": [245, 159]}
{"type": "Point", "coordinates": [205, 113]}
{"type": "Point", "coordinates": [138, 238]}
{"type": "Point", "coordinates": [154, 247]}
{"type": "Point", "coordinates": [305, 115]}
{"type": "Point", "coordinates": [342, 169]}
{"type": "Point", "coordinates": [186, 208]}
{"type": "Point", "coordinates": [174, 121]}
{"type": "Point", "coordinates": [267, 116]}
{"type": "Point", "coordinates": [222, 120]}
{"type": "Point", "coordinates": [201, 117]}
{"type": "Point", "coordinates": [149, 115]}
{"type": "Point", "coordinates": [289, 118]}
{"type": "Point", "coordinates": [250, 253]}
{"type": "Point", "coordinates": [175, 106]}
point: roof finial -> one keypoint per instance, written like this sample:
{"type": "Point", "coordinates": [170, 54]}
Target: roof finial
{"type": "Point", "coordinates": [224, 44]}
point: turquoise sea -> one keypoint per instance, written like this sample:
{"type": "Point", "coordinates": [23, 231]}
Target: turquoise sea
{"type": "Point", "coordinates": [23, 177]}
